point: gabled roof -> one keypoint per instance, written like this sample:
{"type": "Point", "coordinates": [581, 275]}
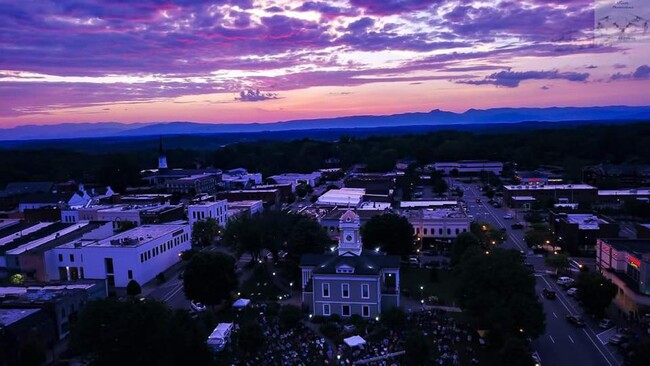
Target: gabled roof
{"type": "Point", "coordinates": [368, 263]}
{"type": "Point", "coordinates": [349, 215]}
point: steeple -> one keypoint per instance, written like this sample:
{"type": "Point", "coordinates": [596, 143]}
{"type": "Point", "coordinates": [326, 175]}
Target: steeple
{"type": "Point", "coordinates": [350, 240]}
{"type": "Point", "coordinates": [162, 159]}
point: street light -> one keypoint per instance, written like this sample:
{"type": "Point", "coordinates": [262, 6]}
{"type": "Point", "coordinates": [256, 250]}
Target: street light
{"type": "Point", "coordinates": [421, 291]}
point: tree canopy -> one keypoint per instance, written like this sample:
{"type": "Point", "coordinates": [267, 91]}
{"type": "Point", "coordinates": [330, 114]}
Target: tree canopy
{"type": "Point", "coordinates": [113, 332]}
{"type": "Point", "coordinates": [596, 292]}
{"type": "Point", "coordinates": [560, 262]}
{"type": "Point", "coordinates": [210, 277]}
{"type": "Point", "coordinates": [204, 232]}
{"type": "Point", "coordinates": [462, 242]}
{"type": "Point", "coordinates": [390, 232]}
{"type": "Point", "coordinates": [498, 293]}
{"type": "Point", "coordinates": [133, 288]}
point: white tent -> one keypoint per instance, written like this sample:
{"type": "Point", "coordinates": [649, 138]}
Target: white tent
{"type": "Point", "coordinates": [241, 303]}
{"type": "Point", "coordinates": [354, 341]}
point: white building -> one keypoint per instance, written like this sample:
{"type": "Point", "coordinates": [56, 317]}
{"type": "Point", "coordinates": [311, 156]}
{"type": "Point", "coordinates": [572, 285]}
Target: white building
{"type": "Point", "coordinates": [217, 210]}
{"type": "Point", "coordinates": [248, 207]}
{"type": "Point", "coordinates": [137, 254]}
{"type": "Point", "coordinates": [351, 197]}
{"type": "Point", "coordinates": [442, 224]}
{"type": "Point", "coordinates": [296, 179]}
{"type": "Point", "coordinates": [469, 167]}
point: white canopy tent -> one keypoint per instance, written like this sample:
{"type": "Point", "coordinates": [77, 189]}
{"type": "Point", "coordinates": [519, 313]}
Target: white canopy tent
{"type": "Point", "coordinates": [241, 303]}
{"type": "Point", "coordinates": [355, 341]}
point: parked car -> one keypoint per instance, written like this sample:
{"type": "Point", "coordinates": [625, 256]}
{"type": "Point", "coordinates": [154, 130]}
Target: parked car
{"type": "Point", "coordinates": [508, 216]}
{"type": "Point", "coordinates": [605, 324]}
{"type": "Point", "coordinates": [564, 281]}
{"type": "Point", "coordinates": [572, 291]}
{"type": "Point", "coordinates": [575, 320]}
{"type": "Point", "coordinates": [549, 294]}
{"type": "Point", "coordinates": [197, 306]}
{"type": "Point", "coordinates": [617, 339]}
{"type": "Point", "coordinates": [517, 226]}
{"type": "Point", "coordinates": [536, 360]}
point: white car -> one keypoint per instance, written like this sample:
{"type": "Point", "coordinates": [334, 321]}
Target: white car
{"type": "Point", "coordinates": [197, 306]}
{"type": "Point", "coordinates": [572, 291]}
{"type": "Point", "coordinates": [563, 281]}
{"type": "Point", "coordinates": [508, 217]}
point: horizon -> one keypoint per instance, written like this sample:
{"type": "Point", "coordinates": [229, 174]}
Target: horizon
{"type": "Point", "coordinates": [264, 61]}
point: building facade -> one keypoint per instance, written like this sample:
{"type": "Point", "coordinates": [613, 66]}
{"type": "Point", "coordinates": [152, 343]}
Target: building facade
{"type": "Point", "coordinates": [469, 167]}
{"type": "Point", "coordinates": [350, 280]}
{"type": "Point", "coordinates": [513, 195]}
{"type": "Point", "coordinates": [137, 254]}
{"type": "Point", "coordinates": [576, 233]}
{"type": "Point", "coordinates": [439, 224]}
{"type": "Point", "coordinates": [204, 210]}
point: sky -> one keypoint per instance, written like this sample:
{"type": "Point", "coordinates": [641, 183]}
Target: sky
{"type": "Point", "coordinates": [240, 61]}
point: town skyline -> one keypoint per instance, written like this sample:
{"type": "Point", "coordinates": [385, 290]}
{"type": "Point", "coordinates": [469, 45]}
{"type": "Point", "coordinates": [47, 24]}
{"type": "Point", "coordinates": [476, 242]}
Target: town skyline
{"type": "Point", "coordinates": [243, 61]}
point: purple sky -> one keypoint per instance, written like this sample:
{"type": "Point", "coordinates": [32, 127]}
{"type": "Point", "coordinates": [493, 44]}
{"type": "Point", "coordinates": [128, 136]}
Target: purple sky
{"type": "Point", "coordinates": [265, 60]}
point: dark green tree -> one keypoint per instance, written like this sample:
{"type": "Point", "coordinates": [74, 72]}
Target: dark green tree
{"type": "Point", "coordinates": [418, 350]}
{"type": "Point", "coordinates": [499, 294]}
{"type": "Point", "coordinates": [392, 233]}
{"type": "Point", "coordinates": [307, 236]}
{"type": "Point", "coordinates": [210, 277]}
{"type": "Point", "coordinates": [289, 316]}
{"type": "Point", "coordinates": [641, 355]}
{"type": "Point", "coordinates": [394, 319]}
{"type": "Point", "coordinates": [462, 242]}
{"type": "Point", "coordinates": [115, 332]}
{"type": "Point", "coordinates": [204, 232]}
{"type": "Point", "coordinates": [559, 262]}
{"type": "Point", "coordinates": [596, 292]}
{"type": "Point", "coordinates": [133, 288]}
{"type": "Point", "coordinates": [32, 354]}
{"type": "Point", "coordinates": [516, 353]}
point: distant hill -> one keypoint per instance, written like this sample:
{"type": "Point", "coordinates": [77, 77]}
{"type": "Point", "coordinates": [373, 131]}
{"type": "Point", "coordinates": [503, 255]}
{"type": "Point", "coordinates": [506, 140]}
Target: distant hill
{"type": "Point", "coordinates": [434, 118]}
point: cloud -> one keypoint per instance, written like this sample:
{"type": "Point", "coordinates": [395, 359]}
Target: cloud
{"type": "Point", "coordinates": [512, 79]}
{"type": "Point", "coordinates": [255, 96]}
{"type": "Point", "coordinates": [641, 73]}
{"type": "Point", "coordinates": [388, 7]}
{"type": "Point", "coordinates": [327, 10]}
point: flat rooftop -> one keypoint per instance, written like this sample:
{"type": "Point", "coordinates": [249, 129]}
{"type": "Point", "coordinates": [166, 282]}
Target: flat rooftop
{"type": "Point", "coordinates": [10, 316]}
{"type": "Point", "coordinates": [416, 204]}
{"type": "Point", "coordinates": [8, 222]}
{"type": "Point", "coordinates": [197, 176]}
{"type": "Point", "coordinates": [33, 244]}
{"type": "Point", "coordinates": [548, 187]}
{"type": "Point", "coordinates": [585, 221]}
{"type": "Point", "coordinates": [136, 237]}
{"type": "Point", "coordinates": [374, 206]}
{"type": "Point", "coordinates": [208, 203]}
{"type": "Point", "coordinates": [435, 214]}
{"type": "Point", "coordinates": [624, 192]}
{"type": "Point", "coordinates": [244, 203]}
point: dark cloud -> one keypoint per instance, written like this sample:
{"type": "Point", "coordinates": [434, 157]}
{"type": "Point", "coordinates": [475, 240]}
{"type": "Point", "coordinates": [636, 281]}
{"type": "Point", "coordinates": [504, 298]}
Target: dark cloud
{"type": "Point", "coordinates": [641, 73]}
{"type": "Point", "coordinates": [327, 10]}
{"type": "Point", "coordinates": [387, 7]}
{"type": "Point", "coordinates": [512, 79]}
{"type": "Point", "coordinates": [255, 96]}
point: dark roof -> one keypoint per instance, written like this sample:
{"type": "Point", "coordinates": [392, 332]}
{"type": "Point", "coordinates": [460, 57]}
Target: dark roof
{"type": "Point", "coordinates": [16, 229]}
{"type": "Point", "coordinates": [364, 215]}
{"type": "Point", "coordinates": [71, 236]}
{"type": "Point", "coordinates": [48, 230]}
{"type": "Point", "coordinates": [48, 198]}
{"type": "Point", "coordinates": [636, 246]}
{"type": "Point", "coordinates": [368, 263]}
{"type": "Point", "coordinates": [19, 188]}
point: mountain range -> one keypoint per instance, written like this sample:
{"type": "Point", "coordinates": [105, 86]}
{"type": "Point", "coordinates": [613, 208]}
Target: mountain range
{"type": "Point", "coordinates": [435, 117]}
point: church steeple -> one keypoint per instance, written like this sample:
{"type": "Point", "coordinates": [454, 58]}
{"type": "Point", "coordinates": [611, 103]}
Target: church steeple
{"type": "Point", "coordinates": [162, 159]}
{"type": "Point", "coordinates": [350, 240]}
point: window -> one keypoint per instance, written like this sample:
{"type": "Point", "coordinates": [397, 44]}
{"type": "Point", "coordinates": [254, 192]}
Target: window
{"type": "Point", "coordinates": [108, 265]}
{"type": "Point", "coordinates": [365, 311]}
{"type": "Point", "coordinates": [60, 257]}
{"type": "Point", "coordinates": [365, 291]}
{"type": "Point", "coordinates": [81, 273]}
{"type": "Point", "coordinates": [71, 257]}
{"type": "Point", "coordinates": [110, 280]}
{"type": "Point", "coordinates": [326, 290]}
{"type": "Point", "coordinates": [424, 231]}
{"type": "Point", "coordinates": [63, 273]}
{"type": "Point", "coordinates": [345, 310]}
{"type": "Point", "coordinates": [417, 230]}
{"type": "Point", "coordinates": [448, 231]}
{"type": "Point", "coordinates": [440, 231]}
{"type": "Point", "coordinates": [345, 290]}
{"type": "Point", "coordinates": [326, 309]}
{"type": "Point", "coordinates": [130, 274]}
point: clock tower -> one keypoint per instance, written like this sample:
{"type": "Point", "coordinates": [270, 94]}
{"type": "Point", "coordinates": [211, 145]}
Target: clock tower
{"type": "Point", "coordinates": [350, 239]}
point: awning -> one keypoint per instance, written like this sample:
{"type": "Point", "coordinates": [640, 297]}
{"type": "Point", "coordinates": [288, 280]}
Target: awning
{"type": "Point", "coordinates": [354, 341]}
{"type": "Point", "coordinates": [241, 303]}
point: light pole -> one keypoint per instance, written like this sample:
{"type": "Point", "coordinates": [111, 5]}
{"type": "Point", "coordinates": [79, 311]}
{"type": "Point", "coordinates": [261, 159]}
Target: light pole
{"type": "Point", "coordinates": [421, 292]}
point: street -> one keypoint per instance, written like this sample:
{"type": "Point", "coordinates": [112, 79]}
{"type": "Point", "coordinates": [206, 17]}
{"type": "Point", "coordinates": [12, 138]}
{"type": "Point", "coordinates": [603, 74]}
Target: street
{"type": "Point", "coordinates": [562, 343]}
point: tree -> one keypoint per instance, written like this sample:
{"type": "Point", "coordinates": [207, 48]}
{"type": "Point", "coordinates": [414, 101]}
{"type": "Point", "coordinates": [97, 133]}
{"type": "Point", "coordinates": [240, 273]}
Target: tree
{"type": "Point", "coordinates": [289, 316]}
{"type": "Point", "coordinates": [560, 262]}
{"type": "Point", "coordinates": [393, 319]}
{"type": "Point", "coordinates": [499, 294]}
{"type": "Point", "coordinates": [440, 186]}
{"type": "Point", "coordinates": [204, 232]}
{"type": "Point", "coordinates": [116, 332]}
{"type": "Point", "coordinates": [251, 337]}
{"type": "Point", "coordinates": [516, 353]}
{"type": "Point", "coordinates": [133, 288]}
{"type": "Point", "coordinates": [596, 292]}
{"type": "Point", "coordinates": [641, 355]}
{"type": "Point", "coordinates": [210, 277]}
{"type": "Point", "coordinates": [32, 354]}
{"type": "Point", "coordinates": [417, 349]}
{"type": "Point", "coordinates": [307, 236]}
{"type": "Point", "coordinates": [390, 232]}
{"type": "Point", "coordinates": [537, 237]}
{"type": "Point", "coordinates": [462, 242]}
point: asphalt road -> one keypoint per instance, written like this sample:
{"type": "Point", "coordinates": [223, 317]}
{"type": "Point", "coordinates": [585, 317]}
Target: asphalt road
{"type": "Point", "coordinates": [563, 344]}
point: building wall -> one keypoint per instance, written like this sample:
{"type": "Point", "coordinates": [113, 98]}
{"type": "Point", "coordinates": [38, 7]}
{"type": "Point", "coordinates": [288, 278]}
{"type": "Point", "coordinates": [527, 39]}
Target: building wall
{"type": "Point", "coordinates": [161, 253]}
{"type": "Point", "coordinates": [443, 228]}
{"type": "Point", "coordinates": [267, 196]}
{"type": "Point", "coordinates": [217, 210]}
{"type": "Point", "coordinates": [546, 195]}
{"type": "Point", "coordinates": [355, 301]}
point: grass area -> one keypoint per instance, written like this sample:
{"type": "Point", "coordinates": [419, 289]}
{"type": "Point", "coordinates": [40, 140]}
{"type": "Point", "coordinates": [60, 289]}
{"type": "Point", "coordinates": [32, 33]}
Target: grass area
{"type": "Point", "coordinates": [444, 288]}
{"type": "Point", "coordinates": [260, 286]}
